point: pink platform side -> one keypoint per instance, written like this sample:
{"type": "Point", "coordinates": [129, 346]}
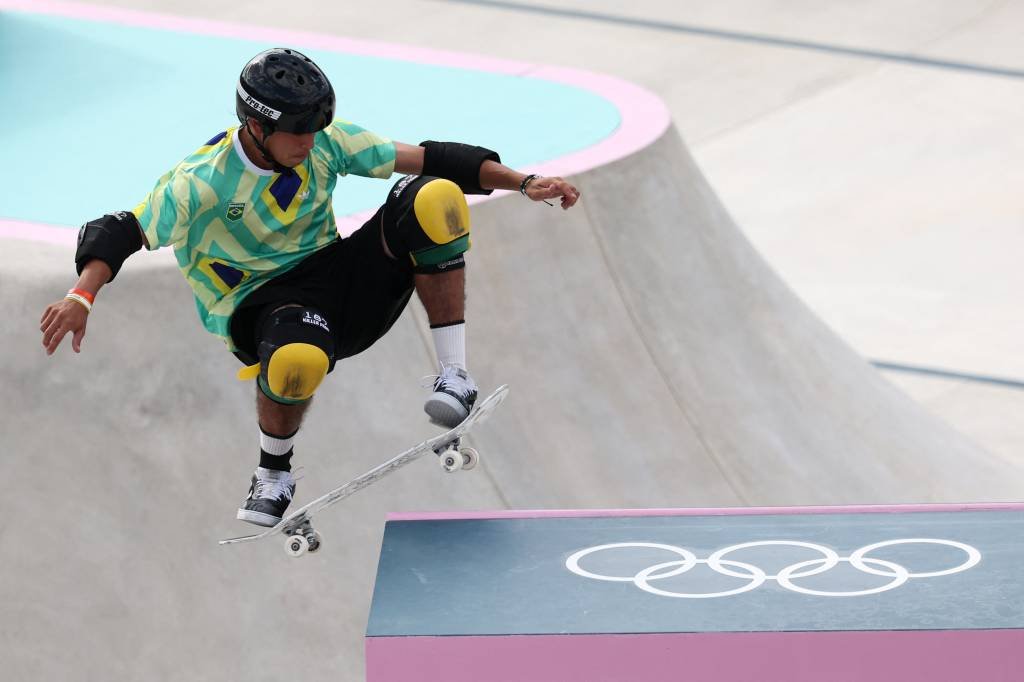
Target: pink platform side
{"type": "Point", "coordinates": [906, 656]}
{"type": "Point", "coordinates": [710, 511]}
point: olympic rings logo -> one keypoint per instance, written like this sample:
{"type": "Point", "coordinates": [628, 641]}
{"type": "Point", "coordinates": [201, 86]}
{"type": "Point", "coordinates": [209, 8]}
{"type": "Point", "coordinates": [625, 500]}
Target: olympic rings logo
{"type": "Point", "coordinates": [756, 576]}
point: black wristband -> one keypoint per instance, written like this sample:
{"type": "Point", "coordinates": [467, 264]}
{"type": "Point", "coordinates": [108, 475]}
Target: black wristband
{"type": "Point", "coordinates": [526, 181]}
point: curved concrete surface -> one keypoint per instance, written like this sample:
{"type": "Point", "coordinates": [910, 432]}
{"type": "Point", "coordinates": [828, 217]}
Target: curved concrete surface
{"type": "Point", "coordinates": [654, 361]}
{"type": "Point", "coordinates": [870, 151]}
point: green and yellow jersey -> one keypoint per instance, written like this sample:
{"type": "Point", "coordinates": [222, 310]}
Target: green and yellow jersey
{"type": "Point", "coordinates": [234, 225]}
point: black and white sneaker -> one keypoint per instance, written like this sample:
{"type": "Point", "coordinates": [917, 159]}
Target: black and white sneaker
{"type": "Point", "coordinates": [269, 496]}
{"type": "Point", "coordinates": [453, 397]}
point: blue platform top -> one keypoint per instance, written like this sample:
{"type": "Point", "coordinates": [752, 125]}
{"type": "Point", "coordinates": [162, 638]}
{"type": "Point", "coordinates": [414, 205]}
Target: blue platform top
{"type": "Point", "coordinates": [95, 112]}
{"type": "Point", "coordinates": [671, 574]}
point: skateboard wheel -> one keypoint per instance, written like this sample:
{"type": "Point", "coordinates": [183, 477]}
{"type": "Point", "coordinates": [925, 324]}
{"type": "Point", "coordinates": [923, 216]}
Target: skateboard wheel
{"type": "Point", "coordinates": [470, 457]}
{"type": "Point", "coordinates": [296, 545]}
{"type": "Point", "coordinates": [315, 540]}
{"type": "Point", "coordinates": [451, 461]}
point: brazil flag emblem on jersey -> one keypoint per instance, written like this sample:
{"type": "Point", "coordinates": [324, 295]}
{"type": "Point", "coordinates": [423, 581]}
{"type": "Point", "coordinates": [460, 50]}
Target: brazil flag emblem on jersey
{"type": "Point", "coordinates": [235, 211]}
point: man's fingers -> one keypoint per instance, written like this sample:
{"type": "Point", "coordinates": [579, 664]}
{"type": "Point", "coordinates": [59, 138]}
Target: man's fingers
{"type": "Point", "coordinates": [58, 320]}
{"type": "Point", "coordinates": [554, 188]}
{"type": "Point", "coordinates": [569, 194]}
{"type": "Point", "coordinates": [47, 317]}
{"type": "Point", "coordinates": [52, 338]}
{"type": "Point", "coordinates": [551, 188]}
{"type": "Point", "coordinates": [54, 335]}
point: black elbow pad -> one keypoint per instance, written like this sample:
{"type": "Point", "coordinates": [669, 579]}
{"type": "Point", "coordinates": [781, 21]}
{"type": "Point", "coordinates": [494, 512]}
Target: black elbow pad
{"type": "Point", "coordinates": [457, 162]}
{"type": "Point", "coordinates": [111, 239]}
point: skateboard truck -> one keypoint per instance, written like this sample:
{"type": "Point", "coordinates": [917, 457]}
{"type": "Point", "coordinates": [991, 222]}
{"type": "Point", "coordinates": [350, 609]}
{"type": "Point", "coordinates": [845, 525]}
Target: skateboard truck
{"type": "Point", "coordinates": [454, 456]}
{"type": "Point", "coordinates": [302, 538]}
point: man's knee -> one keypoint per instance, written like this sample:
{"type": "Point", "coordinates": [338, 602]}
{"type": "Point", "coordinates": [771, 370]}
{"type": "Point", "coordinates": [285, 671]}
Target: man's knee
{"type": "Point", "coordinates": [296, 352]}
{"type": "Point", "coordinates": [435, 232]}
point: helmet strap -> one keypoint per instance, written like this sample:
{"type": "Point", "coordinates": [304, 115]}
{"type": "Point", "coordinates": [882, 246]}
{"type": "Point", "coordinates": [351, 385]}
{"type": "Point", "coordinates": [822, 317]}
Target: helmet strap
{"type": "Point", "coordinates": [277, 168]}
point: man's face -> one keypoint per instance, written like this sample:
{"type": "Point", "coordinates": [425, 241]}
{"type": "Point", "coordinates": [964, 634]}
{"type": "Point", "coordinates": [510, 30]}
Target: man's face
{"type": "Point", "coordinates": [290, 149]}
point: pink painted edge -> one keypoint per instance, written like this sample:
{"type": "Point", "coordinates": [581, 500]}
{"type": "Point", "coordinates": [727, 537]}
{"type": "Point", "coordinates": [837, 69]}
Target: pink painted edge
{"type": "Point", "coordinates": [644, 117]}
{"type": "Point", "coordinates": [38, 232]}
{"type": "Point", "coordinates": [702, 511]}
{"type": "Point", "coordinates": [255, 32]}
{"type": "Point", "coordinates": [908, 656]}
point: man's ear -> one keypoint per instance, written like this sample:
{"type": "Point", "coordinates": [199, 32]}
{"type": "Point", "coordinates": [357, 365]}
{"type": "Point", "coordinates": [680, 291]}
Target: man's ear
{"type": "Point", "coordinates": [255, 127]}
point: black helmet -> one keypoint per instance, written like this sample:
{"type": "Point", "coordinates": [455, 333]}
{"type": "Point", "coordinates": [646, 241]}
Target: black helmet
{"type": "Point", "coordinates": [284, 90]}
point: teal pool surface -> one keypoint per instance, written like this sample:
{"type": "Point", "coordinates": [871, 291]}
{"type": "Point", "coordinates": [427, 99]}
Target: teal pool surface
{"type": "Point", "coordinates": [95, 112]}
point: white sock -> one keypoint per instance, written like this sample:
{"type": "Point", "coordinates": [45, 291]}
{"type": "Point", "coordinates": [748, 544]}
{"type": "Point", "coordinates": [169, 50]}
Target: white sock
{"type": "Point", "coordinates": [276, 446]}
{"type": "Point", "coordinates": [450, 344]}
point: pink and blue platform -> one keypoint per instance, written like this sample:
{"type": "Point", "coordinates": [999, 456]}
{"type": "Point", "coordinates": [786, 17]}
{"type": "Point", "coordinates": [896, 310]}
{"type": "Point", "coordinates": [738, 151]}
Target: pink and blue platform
{"type": "Point", "coordinates": [911, 593]}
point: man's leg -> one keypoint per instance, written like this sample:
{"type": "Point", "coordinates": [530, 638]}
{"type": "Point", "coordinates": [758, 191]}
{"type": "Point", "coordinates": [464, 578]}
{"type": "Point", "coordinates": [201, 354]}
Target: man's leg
{"type": "Point", "coordinates": [443, 296]}
{"type": "Point", "coordinates": [427, 221]}
{"type": "Point", "coordinates": [296, 348]}
{"type": "Point", "coordinates": [279, 425]}
{"type": "Point", "coordinates": [278, 418]}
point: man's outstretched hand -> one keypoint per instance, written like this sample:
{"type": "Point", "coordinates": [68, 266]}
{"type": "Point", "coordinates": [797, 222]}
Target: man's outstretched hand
{"type": "Point", "coordinates": [543, 188]}
{"type": "Point", "coordinates": [60, 318]}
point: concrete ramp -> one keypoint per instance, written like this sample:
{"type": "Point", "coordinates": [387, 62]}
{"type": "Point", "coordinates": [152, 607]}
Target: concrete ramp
{"type": "Point", "coordinates": [647, 340]}
{"type": "Point", "coordinates": [654, 359]}
{"type": "Point", "coordinates": [917, 594]}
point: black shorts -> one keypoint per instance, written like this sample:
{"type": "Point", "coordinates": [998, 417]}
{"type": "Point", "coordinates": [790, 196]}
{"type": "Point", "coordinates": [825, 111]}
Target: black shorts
{"type": "Point", "coordinates": [352, 282]}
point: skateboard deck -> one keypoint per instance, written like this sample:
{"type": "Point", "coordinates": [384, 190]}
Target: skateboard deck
{"type": "Point", "coordinates": [297, 527]}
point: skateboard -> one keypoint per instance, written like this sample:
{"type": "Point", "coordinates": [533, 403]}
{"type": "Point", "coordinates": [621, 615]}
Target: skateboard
{"type": "Point", "coordinates": [300, 537]}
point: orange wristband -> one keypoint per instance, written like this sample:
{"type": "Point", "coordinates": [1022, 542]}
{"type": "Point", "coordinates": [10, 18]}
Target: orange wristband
{"type": "Point", "coordinates": [91, 298]}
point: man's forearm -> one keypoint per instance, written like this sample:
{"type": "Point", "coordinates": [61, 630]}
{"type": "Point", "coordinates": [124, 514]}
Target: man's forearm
{"type": "Point", "coordinates": [94, 275]}
{"type": "Point", "coordinates": [494, 175]}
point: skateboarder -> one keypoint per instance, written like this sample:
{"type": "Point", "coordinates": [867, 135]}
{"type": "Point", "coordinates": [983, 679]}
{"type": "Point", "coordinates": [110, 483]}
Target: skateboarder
{"type": "Point", "coordinates": [250, 219]}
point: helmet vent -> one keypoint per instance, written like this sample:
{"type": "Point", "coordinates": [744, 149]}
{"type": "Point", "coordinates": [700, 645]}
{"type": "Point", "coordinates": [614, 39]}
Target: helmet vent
{"type": "Point", "coordinates": [302, 81]}
{"type": "Point", "coordinates": [279, 75]}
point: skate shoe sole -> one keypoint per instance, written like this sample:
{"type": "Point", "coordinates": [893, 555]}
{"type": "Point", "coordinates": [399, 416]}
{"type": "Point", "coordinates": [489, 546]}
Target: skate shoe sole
{"type": "Point", "coordinates": [445, 410]}
{"type": "Point", "coordinates": [258, 518]}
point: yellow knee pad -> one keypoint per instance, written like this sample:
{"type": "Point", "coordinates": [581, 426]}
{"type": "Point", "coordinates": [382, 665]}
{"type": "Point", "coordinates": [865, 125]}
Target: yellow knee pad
{"type": "Point", "coordinates": [295, 348]}
{"type": "Point", "coordinates": [294, 372]}
{"type": "Point", "coordinates": [443, 214]}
